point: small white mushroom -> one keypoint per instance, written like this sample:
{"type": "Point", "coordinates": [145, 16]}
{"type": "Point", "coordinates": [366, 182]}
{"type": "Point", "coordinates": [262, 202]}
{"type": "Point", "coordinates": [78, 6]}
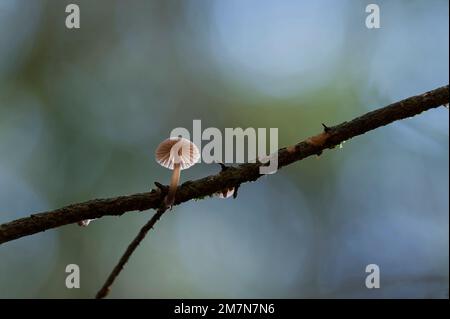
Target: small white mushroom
{"type": "Point", "coordinates": [85, 222]}
{"type": "Point", "coordinates": [176, 153]}
{"type": "Point", "coordinates": [226, 193]}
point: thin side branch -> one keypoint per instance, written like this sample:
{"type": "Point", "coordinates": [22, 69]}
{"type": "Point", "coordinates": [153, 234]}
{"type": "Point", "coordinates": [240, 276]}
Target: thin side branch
{"type": "Point", "coordinates": [232, 177]}
{"type": "Point", "coordinates": [103, 292]}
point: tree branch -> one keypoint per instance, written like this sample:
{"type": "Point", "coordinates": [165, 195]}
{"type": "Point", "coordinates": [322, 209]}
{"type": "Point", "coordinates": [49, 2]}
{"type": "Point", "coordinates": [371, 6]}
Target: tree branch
{"type": "Point", "coordinates": [232, 177]}
{"type": "Point", "coordinates": [103, 292]}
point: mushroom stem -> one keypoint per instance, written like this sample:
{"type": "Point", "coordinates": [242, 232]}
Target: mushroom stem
{"type": "Point", "coordinates": [170, 198]}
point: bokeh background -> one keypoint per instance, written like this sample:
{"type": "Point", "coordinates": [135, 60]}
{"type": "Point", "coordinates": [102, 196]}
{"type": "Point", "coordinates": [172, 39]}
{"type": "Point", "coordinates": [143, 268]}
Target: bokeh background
{"type": "Point", "coordinates": [81, 112]}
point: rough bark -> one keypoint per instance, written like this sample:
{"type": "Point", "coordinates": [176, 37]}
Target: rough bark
{"type": "Point", "coordinates": [231, 177]}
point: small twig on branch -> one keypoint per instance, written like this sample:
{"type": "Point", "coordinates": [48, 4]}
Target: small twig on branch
{"type": "Point", "coordinates": [103, 292]}
{"type": "Point", "coordinates": [231, 177]}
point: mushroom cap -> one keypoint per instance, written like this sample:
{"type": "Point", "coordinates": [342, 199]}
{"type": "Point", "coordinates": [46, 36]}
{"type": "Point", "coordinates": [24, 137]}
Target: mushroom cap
{"type": "Point", "coordinates": [226, 193]}
{"type": "Point", "coordinates": [84, 223]}
{"type": "Point", "coordinates": [177, 150]}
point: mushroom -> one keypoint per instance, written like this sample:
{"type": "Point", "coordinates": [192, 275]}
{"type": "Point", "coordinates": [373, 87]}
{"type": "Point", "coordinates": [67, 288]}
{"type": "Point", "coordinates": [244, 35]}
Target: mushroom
{"type": "Point", "coordinates": [176, 153]}
{"type": "Point", "coordinates": [226, 193]}
{"type": "Point", "coordinates": [85, 222]}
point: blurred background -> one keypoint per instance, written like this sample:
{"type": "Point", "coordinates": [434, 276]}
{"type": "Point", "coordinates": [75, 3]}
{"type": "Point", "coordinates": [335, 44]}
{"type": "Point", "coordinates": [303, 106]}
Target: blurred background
{"type": "Point", "coordinates": [82, 111]}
